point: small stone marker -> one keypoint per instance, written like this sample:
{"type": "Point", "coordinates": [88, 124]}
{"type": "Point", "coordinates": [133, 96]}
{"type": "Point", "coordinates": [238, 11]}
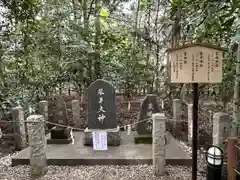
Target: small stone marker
{"type": "Point", "coordinates": [129, 106]}
{"type": "Point", "coordinates": [149, 106]}
{"type": "Point", "coordinates": [176, 109]}
{"type": "Point", "coordinates": [221, 128]}
{"type": "Point", "coordinates": [59, 134]}
{"type": "Point", "coordinates": [43, 110]}
{"type": "Point", "coordinates": [76, 114]}
{"type": "Point", "coordinates": [162, 104]}
{"type": "Point", "coordinates": [102, 112]}
{"type": "Point", "coordinates": [128, 129]}
{"type": "Point", "coordinates": [19, 130]}
{"type": "Point", "coordinates": [61, 114]}
{"type": "Point", "coordinates": [99, 141]}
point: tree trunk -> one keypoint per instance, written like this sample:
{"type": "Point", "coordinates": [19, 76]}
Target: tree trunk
{"type": "Point", "coordinates": [236, 105]}
{"type": "Point", "coordinates": [157, 83]}
{"type": "Point", "coordinates": [131, 63]}
{"type": "Point", "coordinates": [97, 63]}
{"type": "Point", "coordinates": [175, 42]}
{"type": "Point", "coordinates": [86, 15]}
{"type": "Point", "coordinates": [149, 48]}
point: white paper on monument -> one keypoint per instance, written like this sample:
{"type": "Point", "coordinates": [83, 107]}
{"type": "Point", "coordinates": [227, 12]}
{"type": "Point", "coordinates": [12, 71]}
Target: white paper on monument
{"type": "Point", "coordinates": [99, 141]}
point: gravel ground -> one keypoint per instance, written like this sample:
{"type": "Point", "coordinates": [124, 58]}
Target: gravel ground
{"type": "Point", "coordinates": [137, 172]}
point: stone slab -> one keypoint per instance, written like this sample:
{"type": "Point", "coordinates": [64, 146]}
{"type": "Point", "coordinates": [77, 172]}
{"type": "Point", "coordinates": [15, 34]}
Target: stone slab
{"type": "Point", "coordinates": [128, 153]}
{"type": "Point", "coordinates": [60, 141]}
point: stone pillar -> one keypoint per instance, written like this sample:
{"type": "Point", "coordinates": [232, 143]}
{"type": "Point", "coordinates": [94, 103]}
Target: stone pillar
{"type": "Point", "coordinates": [190, 121]}
{"type": "Point", "coordinates": [159, 143]}
{"type": "Point", "coordinates": [37, 143]}
{"type": "Point", "coordinates": [176, 109]}
{"type": "Point", "coordinates": [211, 116]}
{"type": "Point", "coordinates": [19, 129]}
{"type": "Point", "coordinates": [221, 128]}
{"type": "Point", "coordinates": [76, 114]}
{"type": "Point", "coordinates": [43, 110]}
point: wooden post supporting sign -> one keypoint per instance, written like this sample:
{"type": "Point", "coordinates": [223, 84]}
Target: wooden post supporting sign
{"type": "Point", "coordinates": [196, 63]}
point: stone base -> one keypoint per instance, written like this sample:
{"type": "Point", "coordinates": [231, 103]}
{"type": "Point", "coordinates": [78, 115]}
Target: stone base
{"type": "Point", "coordinates": [61, 133]}
{"type": "Point", "coordinates": [142, 138]}
{"type": "Point", "coordinates": [60, 136]}
{"type": "Point", "coordinates": [113, 136]}
{"type": "Point", "coordinates": [127, 153]}
{"type": "Point", "coordinates": [60, 141]}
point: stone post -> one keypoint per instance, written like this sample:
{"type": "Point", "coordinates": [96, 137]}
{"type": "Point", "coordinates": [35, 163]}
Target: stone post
{"type": "Point", "coordinates": [176, 109]}
{"type": "Point", "coordinates": [19, 128]}
{"type": "Point", "coordinates": [37, 143]}
{"type": "Point", "coordinates": [76, 114]}
{"type": "Point", "coordinates": [221, 128]}
{"type": "Point", "coordinates": [43, 110]}
{"type": "Point", "coordinates": [190, 121]}
{"type": "Point", "coordinates": [159, 143]}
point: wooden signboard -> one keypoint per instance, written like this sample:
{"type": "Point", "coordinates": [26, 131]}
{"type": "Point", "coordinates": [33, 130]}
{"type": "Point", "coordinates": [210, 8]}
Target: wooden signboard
{"type": "Point", "coordinates": [196, 63]}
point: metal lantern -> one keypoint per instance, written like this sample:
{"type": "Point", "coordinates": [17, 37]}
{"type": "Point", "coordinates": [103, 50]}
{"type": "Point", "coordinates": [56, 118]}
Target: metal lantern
{"type": "Point", "coordinates": [214, 158]}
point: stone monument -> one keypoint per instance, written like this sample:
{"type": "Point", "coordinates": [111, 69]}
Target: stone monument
{"type": "Point", "coordinates": [102, 112]}
{"type": "Point", "coordinates": [59, 134]}
{"type": "Point", "coordinates": [149, 106]}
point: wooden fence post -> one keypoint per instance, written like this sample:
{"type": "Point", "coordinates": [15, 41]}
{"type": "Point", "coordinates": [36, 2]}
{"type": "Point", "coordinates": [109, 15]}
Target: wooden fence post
{"type": "Point", "coordinates": [232, 157]}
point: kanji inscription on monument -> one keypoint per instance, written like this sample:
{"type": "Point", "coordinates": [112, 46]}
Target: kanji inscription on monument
{"type": "Point", "coordinates": [196, 64]}
{"type": "Point", "coordinates": [101, 111]}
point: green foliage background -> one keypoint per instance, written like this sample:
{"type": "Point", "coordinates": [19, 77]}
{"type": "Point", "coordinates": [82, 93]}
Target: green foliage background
{"type": "Point", "coordinates": [44, 46]}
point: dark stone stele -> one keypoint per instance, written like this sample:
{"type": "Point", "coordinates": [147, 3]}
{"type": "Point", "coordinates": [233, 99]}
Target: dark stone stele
{"type": "Point", "coordinates": [143, 135]}
{"type": "Point", "coordinates": [60, 135]}
{"type": "Point", "coordinates": [109, 106]}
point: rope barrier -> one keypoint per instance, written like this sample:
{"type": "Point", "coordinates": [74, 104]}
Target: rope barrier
{"type": "Point", "coordinates": [237, 171]}
{"type": "Point", "coordinates": [79, 129]}
{"type": "Point", "coordinates": [74, 128]}
{"type": "Point", "coordinates": [202, 113]}
{"type": "Point", "coordinates": [237, 147]}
